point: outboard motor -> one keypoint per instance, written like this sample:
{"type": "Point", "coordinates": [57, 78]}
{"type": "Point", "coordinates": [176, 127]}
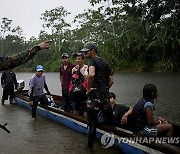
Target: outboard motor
{"type": "Point", "coordinates": [21, 84]}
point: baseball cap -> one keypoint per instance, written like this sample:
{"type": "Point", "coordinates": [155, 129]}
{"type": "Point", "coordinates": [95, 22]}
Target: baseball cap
{"type": "Point", "coordinates": [89, 46]}
{"type": "Point", "coordinates": [65, 55]}
{"type": "Point", "coordinates": [39, 68]}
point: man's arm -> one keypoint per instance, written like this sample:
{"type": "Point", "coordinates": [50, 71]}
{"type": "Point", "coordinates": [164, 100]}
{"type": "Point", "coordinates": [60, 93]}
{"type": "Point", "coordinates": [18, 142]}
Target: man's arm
{"type": "Point", "coordinates": [31, 93]}
{"type": "Point", "coordinates": [15, 81]}
{"type": "Point", "coordinates": [22, 57]}
{"type": "Point", "coordinates": [124, 118]}
{"type": "Point", "coordinates": [111, 81]}
{"type": "Point", "coordinates": [31, 88]}
{"type": "Point", "coordinates": [91, 77]}
{"type": "Point", "coordinates": [2, 80]}
{"type": "Point", "coordinates": [61, 79]}
{"type": "Point", "coordinates": [46, 88]}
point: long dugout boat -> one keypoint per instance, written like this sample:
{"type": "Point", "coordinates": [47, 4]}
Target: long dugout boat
{"type": "Point", "coordinates": [126, 141]}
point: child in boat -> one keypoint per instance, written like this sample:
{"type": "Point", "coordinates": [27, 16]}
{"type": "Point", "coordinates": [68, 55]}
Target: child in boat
{"type": "Point", "coordinates": [121, 112]}
{"type": "Point", "coordinates": [65, 75]}
{"type": "Point", "coordinates": [79, 81]}
{"type": "Point", "coordinates": [37, 83]}
{"type": "Point", "coordinates": [80, 66]}
{"type": "Point", "coordinates": [143, 119]}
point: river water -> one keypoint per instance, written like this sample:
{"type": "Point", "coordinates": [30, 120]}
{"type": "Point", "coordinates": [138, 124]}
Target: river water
{"type": "Point", "coordinates": [42, 135]}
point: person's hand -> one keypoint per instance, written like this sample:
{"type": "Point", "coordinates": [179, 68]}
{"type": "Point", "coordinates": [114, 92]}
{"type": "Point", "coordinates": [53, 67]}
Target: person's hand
{"type": "Point", "coordinates": [77, 67]}
{"type": "Point", "coordinates": [89, 90]}
{"type": "Point", "coordinates": [30, 102]}
{"type": "Point", "coordinates": [44, 45]}
{"type": "Point", "coordinates": [124, 119]}
{"type": "Point", "coordinates": [162, 121]}
{"type": "Point", "coordinates": [48, 93]}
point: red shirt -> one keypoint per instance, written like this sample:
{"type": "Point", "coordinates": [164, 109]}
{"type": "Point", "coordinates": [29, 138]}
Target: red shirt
{"type": "Point", "coordinates": [66, 77]}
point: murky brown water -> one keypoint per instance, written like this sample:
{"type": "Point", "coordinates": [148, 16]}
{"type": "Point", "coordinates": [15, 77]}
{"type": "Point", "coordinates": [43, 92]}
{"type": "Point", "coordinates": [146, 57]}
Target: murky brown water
{"type": "Point", "coordinates": [42, 135]}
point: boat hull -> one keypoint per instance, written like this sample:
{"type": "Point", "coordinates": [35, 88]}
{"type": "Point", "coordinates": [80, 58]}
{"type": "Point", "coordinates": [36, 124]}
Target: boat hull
{"type": "Point", "coordinates": [125, 147]}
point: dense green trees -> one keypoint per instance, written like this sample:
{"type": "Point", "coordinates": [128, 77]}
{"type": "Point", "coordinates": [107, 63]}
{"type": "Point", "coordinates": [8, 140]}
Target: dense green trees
{"type": "Point", "coordinates": [130, 34]}
{"type": "Point", "coordinates": [144, 35]}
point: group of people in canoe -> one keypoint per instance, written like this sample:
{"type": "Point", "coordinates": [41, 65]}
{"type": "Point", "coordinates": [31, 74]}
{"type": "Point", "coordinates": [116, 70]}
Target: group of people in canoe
{"type": "Point", "coordinates": [85, 91]}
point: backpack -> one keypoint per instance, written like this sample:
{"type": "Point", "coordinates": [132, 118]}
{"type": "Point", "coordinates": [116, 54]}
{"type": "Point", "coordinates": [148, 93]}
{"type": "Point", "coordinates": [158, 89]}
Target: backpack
{"type": "Point", "coordinates": [78, 87]}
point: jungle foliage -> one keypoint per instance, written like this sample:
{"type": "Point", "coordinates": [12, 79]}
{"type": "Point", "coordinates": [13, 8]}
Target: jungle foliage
{"type": "Point", "coordinates": [130, 34]}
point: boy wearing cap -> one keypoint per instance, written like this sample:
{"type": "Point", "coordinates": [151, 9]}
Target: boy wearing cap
{"type": "Point", "coordinates": [65, 79]}
{"type": "Point", "coordinates": [99, 81]}
{"type": "Point", "coordinates": [37, 84]}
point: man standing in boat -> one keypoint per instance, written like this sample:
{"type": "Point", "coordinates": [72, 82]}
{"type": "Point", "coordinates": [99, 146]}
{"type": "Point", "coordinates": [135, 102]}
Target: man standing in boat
{"type": "Point", "coordinates": [22, 57]}
{"type": "Point", "coordinates": [8, 82]}
{"type": "Point", "coordinates": [65, 71]}
{"type": "Point", "coordinates": [37, 84]}
{"type": "Point", "coordinates": [99, 81]}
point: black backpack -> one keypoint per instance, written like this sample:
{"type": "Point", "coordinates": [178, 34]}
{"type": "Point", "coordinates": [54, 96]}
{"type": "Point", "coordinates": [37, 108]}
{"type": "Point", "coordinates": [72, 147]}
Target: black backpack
{"type": "Point", "coordinates": [78, 87]}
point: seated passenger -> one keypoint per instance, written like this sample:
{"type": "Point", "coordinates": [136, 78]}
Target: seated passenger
{"type": "Point", "coordinates": [78, 85]}
{"type": "Point", "coordinates": [120, 112]}
{"type": "Point", "coordinates": [144, 121]}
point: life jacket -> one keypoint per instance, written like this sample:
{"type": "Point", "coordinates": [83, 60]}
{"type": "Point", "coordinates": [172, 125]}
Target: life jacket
{"type": "Point", "coordinates": [78, 87]}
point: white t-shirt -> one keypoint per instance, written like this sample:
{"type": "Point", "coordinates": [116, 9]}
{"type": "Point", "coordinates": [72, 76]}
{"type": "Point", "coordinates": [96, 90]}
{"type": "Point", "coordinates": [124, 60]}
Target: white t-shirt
{"type": "Point", "coordinates": [83, 70]}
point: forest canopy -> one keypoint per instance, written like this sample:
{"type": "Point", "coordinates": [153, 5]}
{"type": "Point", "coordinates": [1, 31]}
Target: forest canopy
{"type": "Point", "coordinates": [132, 35]}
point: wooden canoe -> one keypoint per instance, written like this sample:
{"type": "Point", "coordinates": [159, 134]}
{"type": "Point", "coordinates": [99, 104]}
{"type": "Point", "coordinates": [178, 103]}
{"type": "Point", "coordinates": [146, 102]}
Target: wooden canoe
{"type": "Point", "coordinates": [120, 135]}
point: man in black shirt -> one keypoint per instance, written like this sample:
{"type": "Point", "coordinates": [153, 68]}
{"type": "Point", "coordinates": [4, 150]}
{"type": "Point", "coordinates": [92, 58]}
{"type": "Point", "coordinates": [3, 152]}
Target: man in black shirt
{"type": "Point", "coordinates": [121, 112]}
{"type": "Point", "coordinates": [8, 81]}
{"type": "Point", "coordinates": [99, 81]}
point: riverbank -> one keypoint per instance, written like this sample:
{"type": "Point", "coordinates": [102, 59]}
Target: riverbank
{"type": "Point", "coordinates": [139, 66]}
{"type": "Point", "coordinates": [124, 66]}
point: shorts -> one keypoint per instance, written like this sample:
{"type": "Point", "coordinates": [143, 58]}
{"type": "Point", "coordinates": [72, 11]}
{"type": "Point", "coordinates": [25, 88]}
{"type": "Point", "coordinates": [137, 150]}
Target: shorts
{"type": "Point", "coordinates": [149, 131]}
